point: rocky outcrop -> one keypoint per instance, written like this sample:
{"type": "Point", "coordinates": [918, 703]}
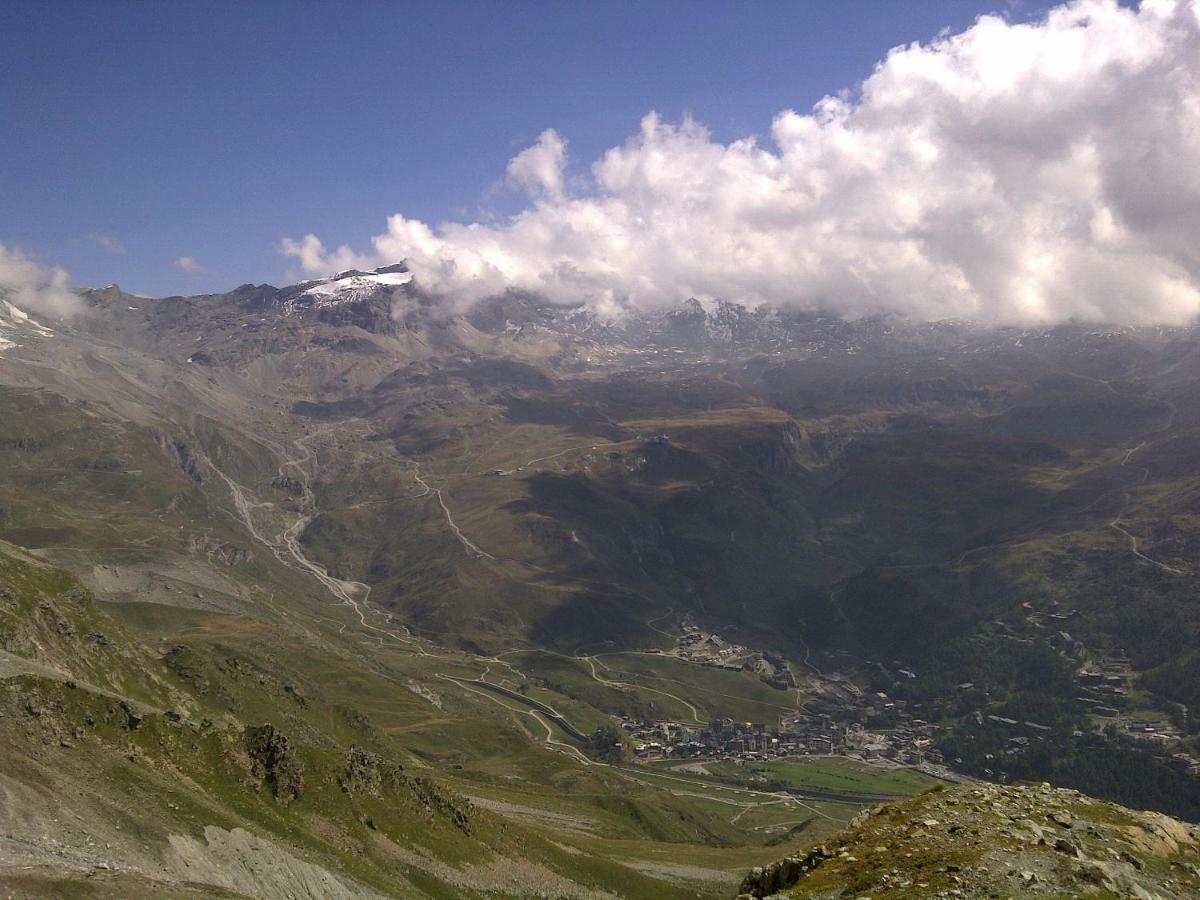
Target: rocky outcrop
{"type": "Point", "coordinates": [232, 555]}
{"type": "Point", "coordinates": [368, 773]}
{"type": "Point", "coordinates": [437, 801]}
{"type": "Point", "coordinates": [766, 880]}
{"type": "Point", "coordinates": [718, 323]}
{"type": "Point", "coordinates": [988, 840]}
{"type": "Point", "coordinates": [187, 461]}
{"type": "Point", "coordinates": [291, 486]}
{"type": "Point", "coordinates": [274, 762]}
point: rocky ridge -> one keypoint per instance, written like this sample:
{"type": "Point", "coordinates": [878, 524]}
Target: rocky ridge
{"type": "Point", "coordinates": [984, 840]}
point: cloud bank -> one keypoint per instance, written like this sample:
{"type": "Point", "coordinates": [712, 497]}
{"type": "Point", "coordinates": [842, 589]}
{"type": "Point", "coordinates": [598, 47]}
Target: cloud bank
{"type": "Point", "coordinates": [37, 289]}
{"type": "Point", "coordinates": [1030, 173]}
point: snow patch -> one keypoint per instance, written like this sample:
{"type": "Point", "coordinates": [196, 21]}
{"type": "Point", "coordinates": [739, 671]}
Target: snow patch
{"type": "Point", "coordinates": [349, 287]}
{"type": "Point", "coordinates": [13, 321]}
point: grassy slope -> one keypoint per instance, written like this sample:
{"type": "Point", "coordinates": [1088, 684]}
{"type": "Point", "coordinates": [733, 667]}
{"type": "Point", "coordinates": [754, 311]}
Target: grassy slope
{"type": "Point", "coordinates": [827, 774]}
{"type": "Point", "coordinates": [171, 776]}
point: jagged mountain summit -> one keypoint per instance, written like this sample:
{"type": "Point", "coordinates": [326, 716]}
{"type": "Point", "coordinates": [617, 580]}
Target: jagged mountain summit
{"type": "Point", "coordinates": [351, 286]}
{"type": "Point", "coordinates": [387, 299]}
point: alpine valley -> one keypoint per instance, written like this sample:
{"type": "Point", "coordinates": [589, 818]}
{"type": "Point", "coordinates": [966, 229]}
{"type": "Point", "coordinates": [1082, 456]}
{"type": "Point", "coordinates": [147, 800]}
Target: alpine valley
{"type": "Point", "coordinates": [338, 590]}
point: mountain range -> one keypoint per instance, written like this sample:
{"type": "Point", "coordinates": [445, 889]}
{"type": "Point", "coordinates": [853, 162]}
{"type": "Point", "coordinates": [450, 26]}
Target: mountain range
{"type": "Point", "coordinates": [341, 589]}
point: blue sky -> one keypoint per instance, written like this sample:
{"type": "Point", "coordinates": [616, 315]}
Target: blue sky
{"type": "Point", "coordinates": [212, 130]}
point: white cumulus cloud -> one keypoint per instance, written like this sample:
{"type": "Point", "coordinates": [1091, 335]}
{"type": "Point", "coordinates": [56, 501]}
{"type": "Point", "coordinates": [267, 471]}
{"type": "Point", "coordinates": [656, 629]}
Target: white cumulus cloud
{"type": "Point", "coordinates": [109, 242]}
{"type": "Point", "coordinates": [189, 264]}
{"type": "Point", "coordinates": [316, 259]}
{"type": "Point", "coordinates": [1017, 172]}
{"type": "Point", "coordinates": [538, 170]}
{"type": "Point", "coordinates": [35, 288]}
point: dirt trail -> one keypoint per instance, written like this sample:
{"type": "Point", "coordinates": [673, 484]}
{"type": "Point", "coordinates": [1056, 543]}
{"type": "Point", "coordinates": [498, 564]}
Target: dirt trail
{"type": "Point", "coordinates": [525, 466]}
{"type": "Point", "coordinates": [286, 545]}
{"type": "Point", "coordinates": [287, 549]}
{"type": "Point", "coordinates": [775, 797]}
{"type": "Point", "coordinates": [472, 549]}
{"type": "Point", "coordinates": [1115, 524]}
{"type": "Point", "coordinates": [591, 661]}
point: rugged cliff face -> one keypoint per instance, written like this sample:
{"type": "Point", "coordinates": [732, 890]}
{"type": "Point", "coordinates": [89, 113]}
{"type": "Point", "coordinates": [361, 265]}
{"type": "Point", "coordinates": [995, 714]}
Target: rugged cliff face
{"type": "Point", "coordinates": [993, 841]}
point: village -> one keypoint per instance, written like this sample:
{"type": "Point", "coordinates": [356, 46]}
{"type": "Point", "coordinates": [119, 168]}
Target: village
{"type": "Point", "coordinates": [908, 743]}
{"type": "Point", "coordinates": [710, 649]}
{"type": "Point", "coordinates": [834, 717]}
{"type": "Point", "coordinates": [1104, 684]}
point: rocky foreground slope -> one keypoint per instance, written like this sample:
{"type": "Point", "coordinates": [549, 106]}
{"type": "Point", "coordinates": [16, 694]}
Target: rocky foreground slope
{"type": "Point", "coordinates": [128, 771]}
{"type": "Point", "coordinates": [994, 841]}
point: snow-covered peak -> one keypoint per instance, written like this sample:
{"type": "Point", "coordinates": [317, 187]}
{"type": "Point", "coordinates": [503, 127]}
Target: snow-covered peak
{"type": "Point", "coordinates": [14, 321]}
{"type": "Point", "coordinates": [350, 287]}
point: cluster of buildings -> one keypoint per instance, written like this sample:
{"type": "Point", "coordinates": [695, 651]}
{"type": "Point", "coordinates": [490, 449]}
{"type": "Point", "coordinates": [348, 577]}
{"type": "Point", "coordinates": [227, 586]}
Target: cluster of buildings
{"type": "Point", "coordinates": [720, 738]}
{"type": "Point", "coordinates": [837, 718]}
{"type": "Point", "coordinates": [710, 649]}
{"type": "Point", "coordinates": [1148, 735]}
{"type": "Point", "coordinates": [910, 744]}
{"type": "Point", "coordinates": [1104, 690]}
{"type": "Point", "coordinates": [1186, 763]}
{"type": "Point", "coordinates": [1104, 683]}
{"type": "Point", "coordinates": [726, 739]}
{"type": "Point", "coordinates": [1020, 734]}
{"type": "Point", "coordinates": [870, 724]}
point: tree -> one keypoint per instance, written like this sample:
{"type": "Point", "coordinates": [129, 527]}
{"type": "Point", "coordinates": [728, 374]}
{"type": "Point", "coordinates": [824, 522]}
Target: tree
{"type": "Point", "coordinates": [605, 744]}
